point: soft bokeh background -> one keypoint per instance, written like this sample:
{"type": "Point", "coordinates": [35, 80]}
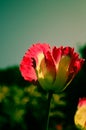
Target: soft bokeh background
{"type": "Point", "coordinates": [24, 22]}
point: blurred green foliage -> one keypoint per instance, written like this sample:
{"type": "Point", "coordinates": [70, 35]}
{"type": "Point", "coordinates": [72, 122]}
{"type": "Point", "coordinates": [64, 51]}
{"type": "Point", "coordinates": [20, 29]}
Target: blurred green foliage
{"type": "Point", "coordinates": [23, 105]}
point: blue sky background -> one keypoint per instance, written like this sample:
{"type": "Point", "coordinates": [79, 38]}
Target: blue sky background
{"type": "Point", "coordinates": [24, 22]}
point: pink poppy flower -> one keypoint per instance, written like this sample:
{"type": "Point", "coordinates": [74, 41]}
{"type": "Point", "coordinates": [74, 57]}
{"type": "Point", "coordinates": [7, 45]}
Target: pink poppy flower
{"type": "Point", "coordinates": [54, 68]}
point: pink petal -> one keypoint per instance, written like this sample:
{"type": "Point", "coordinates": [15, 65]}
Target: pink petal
{"type": "Point", "coordinates": [38, 48]}
{"type": "Point", "coordinates": [30, 60]}
{"type": "Point", "coordinates": [50, 65]}
{"type": "Point", "coordinates": [82, 101]}
{"type": "Point", "coordinates": [27, 69]}
{"type": "Point", "coordinates": [67, 50]}
{"type": "Point", "coordinates": [47, 72]}
{"type": "Point", "coordinates": [75, 65]}
{"type": "Point", "coordinates": [56, 52]}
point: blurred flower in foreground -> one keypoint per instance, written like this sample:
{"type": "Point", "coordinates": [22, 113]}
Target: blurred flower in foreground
{"type": "Point", "coordinates": [53, 68]}
{"type": "Point", "coordinates": [80, 115]}
{"type": "Point", "coordinates": [59, 127]}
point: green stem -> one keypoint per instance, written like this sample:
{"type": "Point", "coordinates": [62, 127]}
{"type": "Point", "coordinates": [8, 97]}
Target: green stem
{"type": "Point", "coordinates": [48, 110]}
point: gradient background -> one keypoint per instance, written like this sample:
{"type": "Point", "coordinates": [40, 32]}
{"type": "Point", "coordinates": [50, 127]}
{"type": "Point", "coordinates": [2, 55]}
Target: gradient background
{"type": "Point", "coordinates": [24, 22]}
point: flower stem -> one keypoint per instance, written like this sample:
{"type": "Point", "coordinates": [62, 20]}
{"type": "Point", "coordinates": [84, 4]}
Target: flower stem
{"type": "Point", "coordinates": [48, 110]}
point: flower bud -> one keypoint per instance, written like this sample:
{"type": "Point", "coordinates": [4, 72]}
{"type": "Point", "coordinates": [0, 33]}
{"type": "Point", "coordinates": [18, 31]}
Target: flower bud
{"type": "Point", "coordinates": [80, 115]}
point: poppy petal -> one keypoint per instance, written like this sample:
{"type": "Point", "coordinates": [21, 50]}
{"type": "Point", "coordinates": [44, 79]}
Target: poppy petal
{"type": "Point", "coordinates": [62, 73]}
{"type": "Point", "coordinates": [27, 69]}
{"type": "Point", "coordinates": [56, 52]}
{"type": "Point", "coordinates": [46, 71]}
{"type": "Point", "coordinates": [30, 61]}
{"type": "Point", "coordinates": [36, 49]}
{"type": "Point", "coordinates": [75, 65]}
